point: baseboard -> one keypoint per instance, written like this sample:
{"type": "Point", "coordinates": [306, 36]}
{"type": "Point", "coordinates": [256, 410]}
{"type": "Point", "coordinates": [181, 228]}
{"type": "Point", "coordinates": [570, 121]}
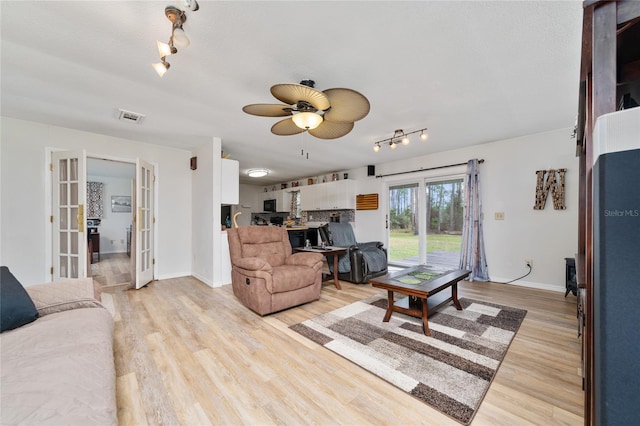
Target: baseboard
{"type": "Point", "coordinates": [171, 276]}
{"type": "Point", "coordinates": [529, 284]}
{"type": "Point", "coordinates": [203, 279]}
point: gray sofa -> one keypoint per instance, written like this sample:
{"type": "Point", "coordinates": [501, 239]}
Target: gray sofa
{"type": "Point", "coordinates": [59, 368]}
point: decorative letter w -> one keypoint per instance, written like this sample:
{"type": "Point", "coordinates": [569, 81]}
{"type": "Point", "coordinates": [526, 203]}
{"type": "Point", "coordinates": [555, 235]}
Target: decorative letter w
{"type": "Point", "coordinates": [551, 184]}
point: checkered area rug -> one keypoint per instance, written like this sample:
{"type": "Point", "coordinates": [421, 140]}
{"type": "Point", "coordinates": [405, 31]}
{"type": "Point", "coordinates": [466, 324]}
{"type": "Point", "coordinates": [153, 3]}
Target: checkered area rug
{"type": "Point", "coordinates": [451, 370]}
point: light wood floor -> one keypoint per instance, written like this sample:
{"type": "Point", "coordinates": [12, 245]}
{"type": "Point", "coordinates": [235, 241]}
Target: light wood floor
{"type": "Point", "coordinates": [112, 271]}
{"type": "Point", "coordinates": [188, 354]}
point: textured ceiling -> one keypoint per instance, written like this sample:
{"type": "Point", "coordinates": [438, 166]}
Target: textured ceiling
{"type": "Point", "coordinates": [472, 72]}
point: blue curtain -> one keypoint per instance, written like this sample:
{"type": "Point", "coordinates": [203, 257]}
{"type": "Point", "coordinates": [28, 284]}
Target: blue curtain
{"type": "Point", "coordinates": [472, 255]}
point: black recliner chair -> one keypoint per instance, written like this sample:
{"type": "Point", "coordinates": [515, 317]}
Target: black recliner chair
{"type": "Point", "coordinates": [362, 261]}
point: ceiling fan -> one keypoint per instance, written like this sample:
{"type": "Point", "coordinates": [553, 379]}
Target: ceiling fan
{"type": "Point", "coordinates": [327, 114]}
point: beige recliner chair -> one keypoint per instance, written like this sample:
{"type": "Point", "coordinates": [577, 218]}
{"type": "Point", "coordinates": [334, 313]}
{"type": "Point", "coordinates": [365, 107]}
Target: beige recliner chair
{"type": "Point", "coordinates": [265, 275]}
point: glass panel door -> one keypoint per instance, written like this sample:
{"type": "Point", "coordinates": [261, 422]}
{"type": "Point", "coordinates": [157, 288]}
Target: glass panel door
{"type": "Point", "coordinates": [444, 211]}
{"type": "Point", "coordinates": [404, 238]}
{"type": "Point", "coordinates": [144, 223]}
{"type": "Point", "coordinates": [69, 198]}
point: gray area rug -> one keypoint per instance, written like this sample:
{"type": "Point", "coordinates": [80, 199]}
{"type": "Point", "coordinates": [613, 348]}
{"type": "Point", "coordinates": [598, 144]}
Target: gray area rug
{"type": "Point", "coordinates": [451, 370]}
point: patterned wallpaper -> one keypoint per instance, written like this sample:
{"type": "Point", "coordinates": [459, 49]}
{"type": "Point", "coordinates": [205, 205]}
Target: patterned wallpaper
{"type": "Point", "coordinates": [95, 204]}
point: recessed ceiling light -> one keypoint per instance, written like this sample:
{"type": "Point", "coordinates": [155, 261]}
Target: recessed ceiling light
{"type": "Point", "coordinates": [257, 172]}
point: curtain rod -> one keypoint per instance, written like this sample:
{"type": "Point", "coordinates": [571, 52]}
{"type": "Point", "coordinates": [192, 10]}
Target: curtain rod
{"type": "Point", "coordinates": [424, 170]}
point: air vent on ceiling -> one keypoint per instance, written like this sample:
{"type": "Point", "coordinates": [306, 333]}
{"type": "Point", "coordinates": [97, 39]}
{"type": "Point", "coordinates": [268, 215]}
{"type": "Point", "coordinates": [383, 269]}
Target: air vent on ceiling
{"type": "Point", "coordinates": [130, 116]}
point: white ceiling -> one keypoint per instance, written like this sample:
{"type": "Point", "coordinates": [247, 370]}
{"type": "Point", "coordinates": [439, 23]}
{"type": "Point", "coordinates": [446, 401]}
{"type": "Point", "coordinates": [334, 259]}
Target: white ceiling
{"type": "Point", "coordinates": [472, 72]}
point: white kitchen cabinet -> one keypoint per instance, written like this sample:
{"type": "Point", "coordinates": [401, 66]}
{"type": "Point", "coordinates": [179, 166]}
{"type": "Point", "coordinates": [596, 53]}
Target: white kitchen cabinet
{"type": "Point", "coordinates": [340, 195]}
{"type": "Point", "coordinates": [310, 197]}
{"type": "Point", "coordinates": [336, 195]}
{"type": "Point", "coordinates": [230, 188]}
{"type": "Point", "coordinates": [282, 197]}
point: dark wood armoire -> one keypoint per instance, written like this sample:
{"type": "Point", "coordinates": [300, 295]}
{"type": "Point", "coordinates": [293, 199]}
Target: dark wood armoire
{"type": "Point", "coordinates": [609, 81]}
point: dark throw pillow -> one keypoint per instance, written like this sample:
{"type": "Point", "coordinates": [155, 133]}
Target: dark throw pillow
{"type": "Point", "coordinates": [16, 307]}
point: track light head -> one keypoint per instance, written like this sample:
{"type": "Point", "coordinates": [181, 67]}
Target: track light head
{"type": "Point", "coordinates": [161, 67]}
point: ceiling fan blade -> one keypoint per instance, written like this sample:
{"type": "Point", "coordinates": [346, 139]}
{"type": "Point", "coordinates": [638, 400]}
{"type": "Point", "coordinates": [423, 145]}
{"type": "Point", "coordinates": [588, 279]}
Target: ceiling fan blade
{"type": "Point", "coordinates": [267, 110]}
{"type": "Point", "coordinates": [346, 106]}
{"type": "Point", "coordinates": [286, 127]}
{"type": "Point", "coordinates": [293, 93]}
{"type": "Point", "coordinates": [331, 130]}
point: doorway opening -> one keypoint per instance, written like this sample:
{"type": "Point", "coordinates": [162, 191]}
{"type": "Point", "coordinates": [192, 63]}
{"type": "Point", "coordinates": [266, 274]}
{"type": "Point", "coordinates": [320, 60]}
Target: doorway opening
{"type": "Point", "coordinates": [69, 240]}
{"type": "Point", "coordinates": [110, 188]}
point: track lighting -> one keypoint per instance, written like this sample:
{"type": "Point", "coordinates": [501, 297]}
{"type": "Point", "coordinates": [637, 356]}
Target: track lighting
{"type": "Point", "coordinates": [400, 137]}
{"type": "Point", "coordinates": [178, 36]}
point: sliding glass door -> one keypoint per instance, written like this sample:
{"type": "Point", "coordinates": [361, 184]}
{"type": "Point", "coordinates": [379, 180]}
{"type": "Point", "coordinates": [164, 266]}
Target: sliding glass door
{"type": "Point", "coordinates": [444, 211]}
{"type": "Point", "coordinates": [425, 223]}
{"type": "Point", "coordinates": [404, 235]}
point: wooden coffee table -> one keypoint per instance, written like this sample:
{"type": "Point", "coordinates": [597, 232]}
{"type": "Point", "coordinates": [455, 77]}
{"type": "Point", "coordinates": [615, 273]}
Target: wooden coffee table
{"type": "Point", "coordinates": [421, 299]}
{"type": "Point", "coordinates": [327, 251]}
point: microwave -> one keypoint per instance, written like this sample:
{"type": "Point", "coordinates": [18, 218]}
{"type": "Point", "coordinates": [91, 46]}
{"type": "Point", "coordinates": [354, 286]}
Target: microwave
{"type": "Point", "coordinates": [269, 206]}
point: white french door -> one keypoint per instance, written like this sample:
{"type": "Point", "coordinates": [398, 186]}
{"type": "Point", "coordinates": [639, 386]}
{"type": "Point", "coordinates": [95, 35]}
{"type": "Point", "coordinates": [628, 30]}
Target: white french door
{"type": "Point", "coordinates": [144, 223]}
{"type": "Point", "coordinates": [69, 194]}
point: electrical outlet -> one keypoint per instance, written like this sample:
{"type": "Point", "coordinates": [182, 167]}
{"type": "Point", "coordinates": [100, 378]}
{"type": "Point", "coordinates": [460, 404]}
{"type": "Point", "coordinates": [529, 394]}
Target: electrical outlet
{"type": "Point", "coordinates": [499, 216]}
{"type": "Point", "coordinates": [528, 263]}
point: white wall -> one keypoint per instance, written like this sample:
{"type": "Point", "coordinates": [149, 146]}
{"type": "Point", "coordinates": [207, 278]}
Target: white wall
{"type": "Point", "coordinates": [206, 249]}
{"type": "Point", "coordinates": [113, 226]}
{"type": "Point", "coordinates": [25, 198]}
{"type": "Point", "coordinates": [508, 182]}
{"type": "Point", "coordinates": [249, 201]}
{"type": "Point", "coordinates": [202, 223]}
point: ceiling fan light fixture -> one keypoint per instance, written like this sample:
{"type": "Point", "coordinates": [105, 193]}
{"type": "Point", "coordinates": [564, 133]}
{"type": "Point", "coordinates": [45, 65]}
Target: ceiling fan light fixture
{"type": "Point", "coordinates": [161, 67]}
{"type": "Point", "coordinates": [257, 173]}
{"type": "Point", "coordinates": [307, 120]}
{"type": "Point", "coordinates": [328, 114]}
